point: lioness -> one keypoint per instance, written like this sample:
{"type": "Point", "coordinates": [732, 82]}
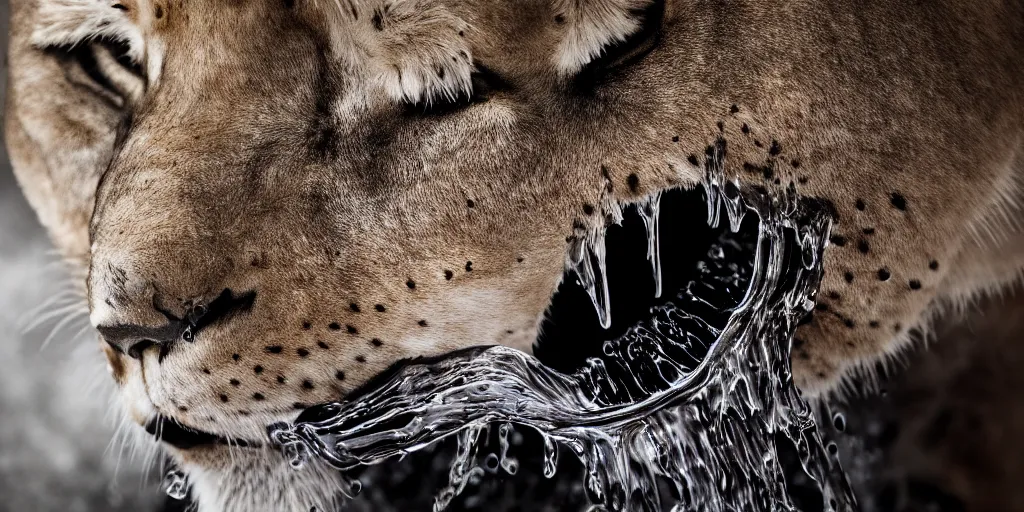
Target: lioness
{"type": "Point", "coordinates": [276, 199]}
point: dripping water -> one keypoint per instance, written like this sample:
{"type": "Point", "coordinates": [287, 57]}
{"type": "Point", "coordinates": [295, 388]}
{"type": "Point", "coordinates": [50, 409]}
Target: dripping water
{"type": "Point", "coordinates": [586, 257]}
{"type": "Point", "coordinates": [648, 211]}
{"type": "Point", "coordinates": [708, 408]}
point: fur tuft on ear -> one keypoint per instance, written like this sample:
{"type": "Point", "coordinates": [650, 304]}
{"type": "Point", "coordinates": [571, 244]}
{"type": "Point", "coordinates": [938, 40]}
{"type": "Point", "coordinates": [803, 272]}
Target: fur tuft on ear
{"type": "Point", "coordinates": [72, 22]}
{"type": "Point", "coordinates": [591, 25]}
{"type": "Point", "coordinates": [414, 50]}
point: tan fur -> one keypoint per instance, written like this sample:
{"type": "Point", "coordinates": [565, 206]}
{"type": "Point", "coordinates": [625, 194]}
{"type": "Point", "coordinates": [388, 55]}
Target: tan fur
{"type": "Point", "coordinates": [70, 22]}
{"type": "Point", "coordinates": [276, 148]}
{"type": "Point", "coordinates": [591, 26]}
{"type": "Point", "coordinates": [413, 50]}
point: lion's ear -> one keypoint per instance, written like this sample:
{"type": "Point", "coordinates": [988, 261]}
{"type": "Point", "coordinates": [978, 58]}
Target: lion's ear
{"type": "Point", "coordinates": [591, 26]}
{"type": "Point", "coordinates": [70, 23]}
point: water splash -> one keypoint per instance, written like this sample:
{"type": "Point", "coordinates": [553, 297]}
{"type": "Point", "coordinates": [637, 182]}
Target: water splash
{"type": "Point", "coordinates": [463, 466]}
{"type": "Point", "coordinates": [680, 398]}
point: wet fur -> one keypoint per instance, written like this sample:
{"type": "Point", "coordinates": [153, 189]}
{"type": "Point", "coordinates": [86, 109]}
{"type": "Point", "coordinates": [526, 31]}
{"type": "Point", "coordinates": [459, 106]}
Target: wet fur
{"type": "Point", "coordinates": [372, 230]}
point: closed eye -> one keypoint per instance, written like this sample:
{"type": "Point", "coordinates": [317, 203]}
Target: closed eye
{"type": "Point", "coordinates": [485, 83]}
{"type": "Point", "coordinates": [103, 68]}
{"type": "Point", "coordinates": [622, 55]}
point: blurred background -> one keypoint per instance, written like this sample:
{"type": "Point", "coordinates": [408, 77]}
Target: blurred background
{"type": "Point", "coordinates": [943, 431]}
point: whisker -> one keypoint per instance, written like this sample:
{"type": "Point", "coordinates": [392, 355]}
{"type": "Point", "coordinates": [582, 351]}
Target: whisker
{"type": "Point", "coordinates": [81, 332]}
{"type": "Point", "coordinates": [122, 436]}
{"type": "Point", "coordinates": [60, 326]}
{"type": "Point", "coordinates": [49, 315]}
{"type": "Point", "coordinates": [231, 455]}
{"type": "Point", "coordinates": [61, 301]}
{"type": "Point", "coordinates": [150, 457]}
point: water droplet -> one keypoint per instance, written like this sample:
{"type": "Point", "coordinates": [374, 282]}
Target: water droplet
{"type": "Point", "coordinates": [297, 455]}
{"type": "Point", "coordinates": [509, 464]}
{"type": "Point", "coordinates": [839, 421]}
{"type": "Point", "coordinates": [587, 258]}
{"type": "Point", "coordinates": [352, 486]}
{"type": "Point", "coordinates": [649, 213]}
{"type": "Point", "coordinates": [175, 484]}
{"type": "Point", "coordinates": [550, 457]}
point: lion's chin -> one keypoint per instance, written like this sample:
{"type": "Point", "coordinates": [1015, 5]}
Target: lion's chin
{"type": "Point", "coordinates": [224, 478]}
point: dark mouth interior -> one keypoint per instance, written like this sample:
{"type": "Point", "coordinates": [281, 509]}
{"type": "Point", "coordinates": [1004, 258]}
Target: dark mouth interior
{"type": "Point", "coordinates": [182, 437]}
{"type": "Point", "coordinates": [571, 333]}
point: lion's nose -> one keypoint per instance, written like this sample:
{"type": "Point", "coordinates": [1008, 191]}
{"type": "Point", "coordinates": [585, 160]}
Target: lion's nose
{"type": "Point", "coordinates": [134, 338]}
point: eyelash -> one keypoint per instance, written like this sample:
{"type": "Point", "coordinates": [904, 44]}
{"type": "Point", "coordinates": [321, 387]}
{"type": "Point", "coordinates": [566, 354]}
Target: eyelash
{"type": "Point", "coordinates": [633, 49]}
{"type": "Point", "coordinates": [114, 81]}
{"type": "Point", "coordinates": [485, 82]}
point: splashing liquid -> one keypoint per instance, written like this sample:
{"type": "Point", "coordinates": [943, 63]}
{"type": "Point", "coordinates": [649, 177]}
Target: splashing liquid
{"type": "Point", "coordinates": [697, 404]}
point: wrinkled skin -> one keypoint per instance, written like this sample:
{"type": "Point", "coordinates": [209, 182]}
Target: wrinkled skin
{"type": "Point", "coordinates": [279, 155]}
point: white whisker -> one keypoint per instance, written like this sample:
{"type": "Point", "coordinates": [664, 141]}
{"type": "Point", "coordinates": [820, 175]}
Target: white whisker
{"type": "Point", "coordinates": [61, 301]}
{"type": "Point", "coordinates": [60, 327]}
{"type": "Point", "coordinates": [66, 310]}
{"type": "Point", "coordinates": [81, 332]}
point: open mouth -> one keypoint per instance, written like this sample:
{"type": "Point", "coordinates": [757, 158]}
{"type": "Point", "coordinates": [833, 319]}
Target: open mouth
{"type": "Point", "coordinates": [687, 283]}
{"type": "Point", "coordinates": [650, 310]}
{"type": "Point", "coordinates": [686, 286]}
{"type": "Point", "coordinates": [664, 360]}
{"type": "Point", "coordinates": [664, 357]}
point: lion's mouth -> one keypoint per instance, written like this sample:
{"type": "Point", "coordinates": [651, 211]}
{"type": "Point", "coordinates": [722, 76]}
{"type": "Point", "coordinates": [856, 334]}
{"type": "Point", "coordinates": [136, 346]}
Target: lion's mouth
{"type": "Point", "coordinates": [637, 317]}
{"type": "Point", "coordinates": [692, 385]}
{"type": "Point", "coordinates": [645, 272]}
{"type": "Point", "coordinates": [183, 437]}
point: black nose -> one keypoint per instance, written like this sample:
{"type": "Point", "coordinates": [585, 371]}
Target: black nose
{"type": "Point", "coordinates": [134, 339]}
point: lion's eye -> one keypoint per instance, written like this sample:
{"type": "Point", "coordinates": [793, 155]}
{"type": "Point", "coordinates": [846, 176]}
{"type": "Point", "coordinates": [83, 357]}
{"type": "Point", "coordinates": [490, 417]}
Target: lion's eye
{"type": "Point", "coordinates": [632, 49]}
{"type": "Point", "coordinates": [104, 68]}
{"type": "Point", "coordinates": [485, 83]}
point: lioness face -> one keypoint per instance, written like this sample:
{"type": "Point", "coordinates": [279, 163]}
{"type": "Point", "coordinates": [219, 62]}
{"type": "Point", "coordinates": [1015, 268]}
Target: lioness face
{"type": "Point", "coordinates": [297, 196]}
{"type": "Point", "coordinates": [276, 199]}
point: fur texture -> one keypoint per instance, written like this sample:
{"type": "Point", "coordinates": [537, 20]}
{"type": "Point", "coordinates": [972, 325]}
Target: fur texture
{"type": "Point", "coordinates": [283, 151]}
{"type": "Point", "coordinates": [591, 27]}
